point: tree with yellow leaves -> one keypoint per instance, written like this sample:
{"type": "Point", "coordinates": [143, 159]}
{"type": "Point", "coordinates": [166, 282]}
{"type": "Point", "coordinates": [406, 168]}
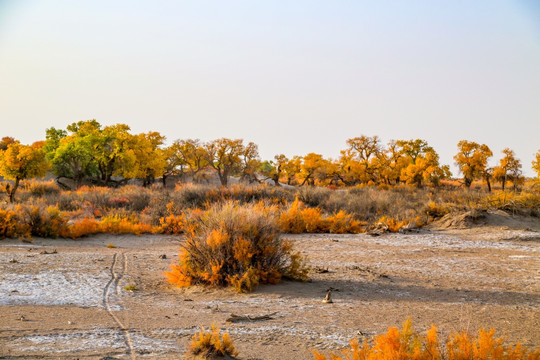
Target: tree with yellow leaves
{"type": "Point", "coordinates": [187, 157]}
{"type": "Point", "coordinates": [224, 156]}
{"type": "Point", "coordinates": [5, 142]}
{"type": "Point", "coordinates": [250, 163]}
{"type": "Point", "coordinates": [509, 169]}
{"type": "Point", "coordinates": [292, 168]}
{"type": "Point", "coordinates": [347, 167]}
{"type": "Point", "coordinates": [365, 150]}
{"type": "Point", "coordinates": [19, 162]}
{"type": "Point", "coordinates": [423, 163]}
{"type": "Point", "coordinates": [395, 161]}
{"type": "Point", "coordinates": [314, 167]}
{"type": "Point", "coordinates": [472, 161]}
{"type": "Point", "coordinates": [149, 158]}
{"type": "Point", "coordinates": [536, 164]}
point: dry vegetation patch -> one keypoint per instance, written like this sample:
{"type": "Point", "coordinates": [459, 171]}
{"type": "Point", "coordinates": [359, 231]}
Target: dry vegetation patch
{"type": "Point", "coordinates": [234, 245]}
{"type": "Point", "coordinates": [408, 344]}
{"type": "Point", "coordinates": [45, 210]}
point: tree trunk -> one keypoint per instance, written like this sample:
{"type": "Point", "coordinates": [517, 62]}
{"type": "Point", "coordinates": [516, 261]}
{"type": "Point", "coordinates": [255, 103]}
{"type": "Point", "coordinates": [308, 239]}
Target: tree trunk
{"type": "Point", "coordinates": [223, 178]}
{"type": "Point", "coordinates": [12, 192]}
{"type": "Point", "coordinates": [276, 180]}
{"type": "Point", "coordinates": [488, 184]}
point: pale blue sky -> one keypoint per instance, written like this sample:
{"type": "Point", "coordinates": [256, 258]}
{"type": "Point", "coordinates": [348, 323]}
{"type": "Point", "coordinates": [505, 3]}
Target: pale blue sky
{"type": "Point", "coordinates": [293, 76]}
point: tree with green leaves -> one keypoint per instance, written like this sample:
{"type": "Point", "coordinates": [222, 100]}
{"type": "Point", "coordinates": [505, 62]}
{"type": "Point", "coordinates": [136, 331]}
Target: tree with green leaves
{"type": "Point", "coordinates": [274, 169]}
{"type": "Point", "coordinates": [72, 156]}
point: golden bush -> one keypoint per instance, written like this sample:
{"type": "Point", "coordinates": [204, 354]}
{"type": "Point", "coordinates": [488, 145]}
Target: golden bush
{"type": "Point", "coordinates": [299, 218]}
{"type": "Point", "coordinates": [234, 245]}
{"type": "Point", "coordinates": [406, 344]}
{"type": "Point", "coordinates": [210, 344]}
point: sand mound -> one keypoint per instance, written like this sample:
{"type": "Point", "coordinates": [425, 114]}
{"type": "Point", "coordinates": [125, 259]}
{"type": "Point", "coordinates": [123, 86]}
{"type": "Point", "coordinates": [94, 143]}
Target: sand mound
{"type": "Point", "coordinates": [462, 220]}
{"type": "Point", "coordinates": [490, 219]}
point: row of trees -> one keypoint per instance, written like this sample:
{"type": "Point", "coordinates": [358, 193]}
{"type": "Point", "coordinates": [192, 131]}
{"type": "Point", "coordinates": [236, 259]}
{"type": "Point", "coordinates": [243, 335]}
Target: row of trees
{"type": "Point", "coordinates": [472, 160]}
{"type": "Point", "coordinates": [112, 155]}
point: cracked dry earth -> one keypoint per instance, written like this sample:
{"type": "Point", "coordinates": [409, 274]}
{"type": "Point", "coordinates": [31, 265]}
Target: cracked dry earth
{"type": "Point", "coordinates": [72, 304]}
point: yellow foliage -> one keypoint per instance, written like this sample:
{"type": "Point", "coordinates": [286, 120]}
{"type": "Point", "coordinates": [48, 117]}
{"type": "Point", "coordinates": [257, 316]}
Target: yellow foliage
{"type": "Point", "coordinates": [247, 282]}
{"type": "Point", "coordinates": [211, 344]}
{"type": "Point", "coordinates": [237, 246]}
{"type": "Point", "coordinates": [81, 228]}
{"type": "Point", "coordinates": [393, 224]}
{"type": "Point", "coordinates": [343, 223]}
{"type": "Point", "coordinates": [217, 238]}
{"type": "Point", "coordinates": [436, 210]}
{"type": "Point", "coordinates": [406, 344]}
{"type": "Point", "coordinates": [172, 224]}
{"type": "Point", "coordinates": [243, 250]}
{"type": "Point", "coordinates": [122, 225]}
{"type": "Point", "coordinates": [11, 225]}
{"type": "Point", "coordinates": [180, 273]}
{"type": "Point", "coordinates": [299, 218]}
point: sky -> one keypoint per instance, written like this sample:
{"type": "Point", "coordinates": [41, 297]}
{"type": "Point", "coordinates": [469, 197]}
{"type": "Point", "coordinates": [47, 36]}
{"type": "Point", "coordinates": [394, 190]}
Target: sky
{"type": "Point", "coordinates": [292, 76]}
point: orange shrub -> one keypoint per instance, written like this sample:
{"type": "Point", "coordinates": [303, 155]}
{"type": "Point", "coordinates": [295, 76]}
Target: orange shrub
{"type": "Point", "coordinates": [299, 218]}
{"type": "Point", "coordinates": [407, 344]}
{"type": "Point", "coordinates": [45, 222]}
{"type": "Point", "coordinates": [292, 220]}
{"type": "Point", "coordinates": [125, 225]}
{"type": "Point", "coordinates": [314, 221]}
{"type": "Point", "coordinates": [210, 344]}
{"type": "Point", "coordinates": [394, 225]}
{"type": "Point", "coordinates": [11, 224]}
{"type": "Point", "coordinates": [237, 246]}
{"type": "Point", "coordinates": [172, 223]}
{"type": "Point", "coordinates": [343, 223]}
{"type": "Point", "coordinates": [82, 227]}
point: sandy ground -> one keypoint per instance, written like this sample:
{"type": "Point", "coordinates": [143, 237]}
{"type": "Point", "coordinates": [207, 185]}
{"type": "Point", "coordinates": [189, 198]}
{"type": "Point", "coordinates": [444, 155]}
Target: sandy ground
{"type": "Point", "coordinates": [72, 304]}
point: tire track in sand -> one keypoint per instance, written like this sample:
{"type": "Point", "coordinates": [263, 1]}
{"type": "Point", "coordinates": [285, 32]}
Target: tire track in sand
{"type": "Point", "coordinates": [115, 281]}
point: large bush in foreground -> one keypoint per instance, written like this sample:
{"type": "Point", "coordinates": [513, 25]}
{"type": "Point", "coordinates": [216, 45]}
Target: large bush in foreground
{"type": "Point", "coordinates": [234, 245]}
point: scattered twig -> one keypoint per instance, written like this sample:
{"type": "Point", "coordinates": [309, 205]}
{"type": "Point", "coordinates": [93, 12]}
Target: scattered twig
{"type": "Point", "coordinates": [45, 252]}
{"type": "Point", "coordinates": [238, 318]}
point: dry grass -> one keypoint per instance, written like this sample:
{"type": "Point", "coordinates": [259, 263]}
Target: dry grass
{"type": "Point", "coordinates": [47, 211]}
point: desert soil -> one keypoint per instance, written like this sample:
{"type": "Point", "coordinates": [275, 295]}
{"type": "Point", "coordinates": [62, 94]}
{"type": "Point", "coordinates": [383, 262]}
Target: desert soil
{"type": "Point", "coordinates": [66, 299]}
